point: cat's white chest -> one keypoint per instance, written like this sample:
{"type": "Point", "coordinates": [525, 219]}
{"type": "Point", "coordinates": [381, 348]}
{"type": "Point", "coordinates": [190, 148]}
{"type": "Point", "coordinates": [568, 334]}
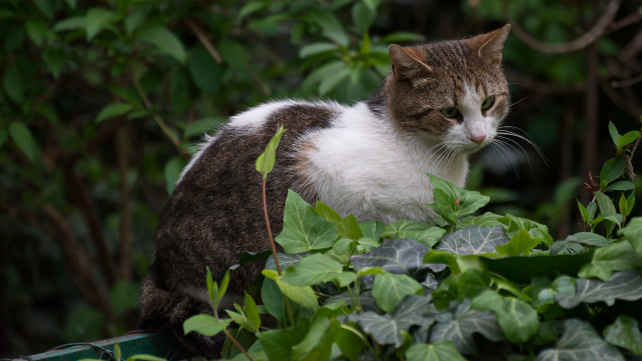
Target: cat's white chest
{"type": "Point", "coordinates": [362, 166]}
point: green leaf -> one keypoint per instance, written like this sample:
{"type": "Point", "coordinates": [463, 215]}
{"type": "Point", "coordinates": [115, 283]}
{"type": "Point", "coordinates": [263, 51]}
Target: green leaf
{"type": "Point", "coordinates": [389, 289]}
{"type": "Point", "coordinates": [117, 352]}
{"type": "Point", "coordinates": [316, 48]}
{"type": "Point", "coordinates": [453, 201]}
{"type": "Point", "coordinates": [165, 40]}
{"type": "Point", "coordinates": [583, 212]}
{"type": "Point", "coordinates": [362, 16]}
{"type": "Point", "coordinates": [273, 300]}
{"type": "Point", "coordinates": [521, 269]}
{"type": "Point", "coordinates": [402, 37]}
{"type": "Point", "coordinates": [579, 341]}
{"type": "Point", "coordinates": [37, 31]}
{"type": "Point", "coordinates": [318, 268]}
{"type": "Point", "coordinates": [97, 19]}
{"type": "Point", "coordinates": [252, 313]}
{"type": "Point", "coordinates": [24, 140]}
{"type": "Point", "coordinates": [14, 83]}
{"type": "Point", "coordinates": [625, 333]}
{"type": "Point", "coordinates": [317, 343]}
{"type": "Point", "coordinates": [443, 350]}
{"type": "Point", "coordinates": [212, 289]}
{"type": "Point", "coordinates": [73, 23]}
{"type": "Point", "coordinates": [303, 228]}
{"type": "Point", "coordinates": [234, 54]}
{"type": "Point", "coordinates": [624, 285]}
{"type": "Point", "coordinates": [616, 257]}
{"type": "Point", "coordinates": [333, 80]}
{"type": "Point", "coordinates": [460, 325]}
{"type": "Point", "coordinates": [54, 60]}
{"type": "Point", "coordinates": [612, 169]}
{"type": "Point", "coordinates": [46, 7]}
{"type": "Point", "coordinates": [327, 213]}
{"type": "Point", "coordinates": [205, 72]}
{"type": "Point", "coordinates": [265, 161]}
{"type": "Point", "coordinates": [204, 324]}
{"type": "Point", "coordinates": [627, 139]}
{"type": "Point", "coordinates": [517, 318]}
{"type": "Point", "coordinates": [173, 169]}
{"type": "Point", "coordinates": [331, 26]}
{"type": "Point", "coordinates": [614, 133]}
{"type": "Point", "coordinates": [514, 224]}
{"type": "Point", "coordinates": [400, 256]}
{"type": "Point", "coordinates": [304, 295]}
{"type": "Point", "coordinates": [278, 344]}
{"type": "Point", "coordinates": [423, 233]}
{"type": "Point", "coordinates": [123, 297]}
{"type": "Point", "coordinates": [520, 243]}
{"type": "Point", "coordinates": [473, 240]}
{"type": "Point", "coordinates": [251, 7]}
{"type": "Point", "coordinates": [113, 110]}
{"type": "Point", "coordinates": [201, 126]}
{"type": "Point", "coordinates": [621, 186]}
{"type": "Point", "coordinates": [633, 233]}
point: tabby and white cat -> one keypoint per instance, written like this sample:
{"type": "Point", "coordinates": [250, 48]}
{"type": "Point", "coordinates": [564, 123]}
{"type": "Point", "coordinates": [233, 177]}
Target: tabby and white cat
{"type": "Point", "coordinates": [441, 102]}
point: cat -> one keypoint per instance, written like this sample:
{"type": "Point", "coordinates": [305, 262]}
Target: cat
{"type": "Point", "coordinates": [440, 103]}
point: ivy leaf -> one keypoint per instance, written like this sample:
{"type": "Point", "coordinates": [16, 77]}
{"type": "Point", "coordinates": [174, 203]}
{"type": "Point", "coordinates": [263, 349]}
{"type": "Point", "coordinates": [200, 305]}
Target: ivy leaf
{"type": "Point", "coordinates": [521, 269]}
{"type": "Point", "coordinates": [318, 268]}
{"type": "Point", "coordinates": [519, 244]}
{"type": "Point", "coordinates": [206, 325]}
{"type": "Point", "coordinates": [285, 260]}
{"type": "Point", "coordinates": [513, 224]}
{"type": "Point", "coordinates": [625, 333]}
{"type": "Point", "coordinates": [616, 257]}
{"type": "Point", "coordinates": [624, 285]}
{"type": "Point", "coordinates": [399, 256]}
{"type": "Point", "coordinates": [579, 341]}
{"type": "Point", "coordinates": [389, 289]}
{"type": "Point", "coordinates": [473, 240]}
{"type": "Point", "coordinates": [452, 201]}
{"type": "Point", "coordinates": [383, 329]}
{"type": "Point", "coordinates": [423, 233]}
{"type": "Point", "coordinates": [517, 318]}
{"type": "Point", "coordinates": [460, 325]}
{"type": "Point", "coordinates": [316, 48]}
{"type": "Point", "coordinates": [443, 350]}
{"type": "Point", "coordinates": [303, 229]}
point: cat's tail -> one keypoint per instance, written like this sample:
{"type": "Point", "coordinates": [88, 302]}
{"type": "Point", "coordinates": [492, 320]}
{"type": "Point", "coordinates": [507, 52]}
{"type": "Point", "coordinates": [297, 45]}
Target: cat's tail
{"type": "Point", "coordinates": [166, 310]}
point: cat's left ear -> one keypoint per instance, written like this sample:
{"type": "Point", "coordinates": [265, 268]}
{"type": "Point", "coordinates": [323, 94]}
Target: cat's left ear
{"type": "Point", "coordinates": [489, 46]}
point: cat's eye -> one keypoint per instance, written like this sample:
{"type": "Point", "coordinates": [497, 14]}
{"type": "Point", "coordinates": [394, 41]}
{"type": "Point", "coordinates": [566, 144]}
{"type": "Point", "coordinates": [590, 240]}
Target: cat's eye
{"type": "Point", "coordinates": [488, 102]}
{"type": "Point", "coordinates": [450, 112]}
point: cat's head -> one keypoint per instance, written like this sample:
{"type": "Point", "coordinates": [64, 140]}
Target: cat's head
{"type": "Point", "coordinates": [453, 92]}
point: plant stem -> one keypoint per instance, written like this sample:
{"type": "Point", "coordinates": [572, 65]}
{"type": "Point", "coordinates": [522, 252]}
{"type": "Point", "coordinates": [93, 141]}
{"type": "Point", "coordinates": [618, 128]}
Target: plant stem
{"type": "Point", "coordinates": [238, 345]}
{"type": "Point", "coordinates": [273, 247]}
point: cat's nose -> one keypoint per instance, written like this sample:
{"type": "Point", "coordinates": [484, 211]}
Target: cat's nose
{"type": "Point", "coordinates": [478, 138]}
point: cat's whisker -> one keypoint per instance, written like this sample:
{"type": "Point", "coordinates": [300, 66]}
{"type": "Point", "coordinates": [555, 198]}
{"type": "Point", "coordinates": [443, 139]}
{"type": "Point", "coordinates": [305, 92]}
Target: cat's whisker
{"type": "Point", "coordinates": [512, 144]}
{"type": "Point", "coordinates": [508, 157]}
{"type": "Point", "coordinates": [519, 101]}
{"type": "Point", "coordinates": [503, 131]}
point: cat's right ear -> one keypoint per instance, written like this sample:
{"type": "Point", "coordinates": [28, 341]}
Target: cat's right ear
{"type": "Point", "coordinates": [406, 62]}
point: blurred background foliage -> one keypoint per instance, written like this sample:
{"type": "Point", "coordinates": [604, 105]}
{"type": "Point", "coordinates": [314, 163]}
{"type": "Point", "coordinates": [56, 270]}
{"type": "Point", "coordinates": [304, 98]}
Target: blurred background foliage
{"type": "Point", "coordinates": [103, 101]}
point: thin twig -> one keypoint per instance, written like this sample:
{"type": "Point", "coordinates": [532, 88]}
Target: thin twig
{"type": "Point", "coordinates": [583, 41]}
{"type": "Point", "coordinates": [205, 41]}
{"type": "Point", "coordinates": [161, 123]}
{"type": "Point", "coordinates": [238, 345]}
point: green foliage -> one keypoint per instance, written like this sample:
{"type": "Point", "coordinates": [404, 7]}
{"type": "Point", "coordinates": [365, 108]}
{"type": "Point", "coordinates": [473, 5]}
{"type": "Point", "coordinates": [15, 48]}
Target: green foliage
{"type": "Point", "coordinates": [422, 290]}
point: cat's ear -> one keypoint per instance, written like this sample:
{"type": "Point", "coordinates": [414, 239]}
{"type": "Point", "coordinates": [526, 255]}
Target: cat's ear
{"type": "Point", "coordinates": [406, 62]}
{"type": "Point", "coordinates": [489, 46]}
